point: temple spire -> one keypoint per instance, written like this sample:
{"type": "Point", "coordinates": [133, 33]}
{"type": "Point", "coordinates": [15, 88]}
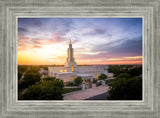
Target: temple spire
{"type": "Point", "coordinates": [70, 58]}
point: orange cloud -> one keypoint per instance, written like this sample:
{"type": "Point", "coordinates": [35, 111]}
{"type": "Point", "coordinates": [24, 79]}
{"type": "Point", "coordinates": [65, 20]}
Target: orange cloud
{"type": "Point", "coordinates": [108, 62]}
{"type": "Point", "coordinates": [126, 58]}
{"type": "Point", "coordinates": [50, 51]}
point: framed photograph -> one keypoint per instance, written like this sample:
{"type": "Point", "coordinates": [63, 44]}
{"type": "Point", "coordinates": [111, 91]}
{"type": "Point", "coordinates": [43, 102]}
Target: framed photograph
{"type": "Point", "coordinates": [103, 61]}
{"type": "Point", "coordinates": [80, 59]}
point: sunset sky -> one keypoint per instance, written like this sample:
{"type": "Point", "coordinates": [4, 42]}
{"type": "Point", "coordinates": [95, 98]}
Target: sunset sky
{"type": "Point", "coordinates": [44, 41]}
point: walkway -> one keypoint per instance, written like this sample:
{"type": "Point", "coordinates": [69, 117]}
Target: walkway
{"type": "Point", "coordinates": [87, 93]}
{"type": "Point", "coordinates": [99, 97]}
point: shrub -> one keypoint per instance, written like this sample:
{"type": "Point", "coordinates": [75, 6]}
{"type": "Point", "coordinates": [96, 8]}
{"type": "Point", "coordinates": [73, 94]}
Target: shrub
{"type": "Point", "coordinates": [46, 90]}
{"type": "Point", "coordinates": [126, 89]}
{"type": "Point", "coordinates": [94, 81]}
{"type": "Point", "coordinates": [78, 80]}
{"type": "Point", "coordinates": [102, 76]}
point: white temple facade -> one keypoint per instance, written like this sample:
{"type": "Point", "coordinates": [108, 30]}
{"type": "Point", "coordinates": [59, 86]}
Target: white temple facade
{"type": "Point", "coordinates": [70, 70]}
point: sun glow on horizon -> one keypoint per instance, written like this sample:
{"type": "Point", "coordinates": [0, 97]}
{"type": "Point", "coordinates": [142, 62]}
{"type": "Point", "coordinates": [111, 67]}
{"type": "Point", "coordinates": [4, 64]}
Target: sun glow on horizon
{"type": "Point", "coordinates": [44, 41]}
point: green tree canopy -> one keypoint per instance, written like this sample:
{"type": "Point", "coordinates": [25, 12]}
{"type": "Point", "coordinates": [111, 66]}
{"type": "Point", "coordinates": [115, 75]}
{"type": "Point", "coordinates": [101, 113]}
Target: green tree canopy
{"type": "Point", "coordinates": [49, 78]}
{"type": "Point", "coordinates": [22, 68]}
{"type": "Point", "coordinates": [130, 69]}
{"type": "Point", "coordinates": [102, 76]}
{"type": "Point", "coordinates": [115, 69]}
{"type": "Point", "coordinates": [46, 90]}
{"type": "Point", "coordinates": [94, 80]}
{"type": "Point", "coordinates": [137, 71]}
{"type": "Point", "coordinates": [19, 75]}
{"type": "Point", "coordinates": [30, 78]}
{"type": "Point", "coordinates": [126, 89]}
{"type": "Point", "coordinates": [78, 80]}
{"type": "Point", "coordinates": [124, 75]}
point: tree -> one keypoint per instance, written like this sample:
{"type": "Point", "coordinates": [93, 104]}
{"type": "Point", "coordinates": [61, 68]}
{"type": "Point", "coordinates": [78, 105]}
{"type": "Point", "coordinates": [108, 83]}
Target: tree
{"type": "Point", "coordinates": [78, 80]}
{"type": "Point", "coordinates": [130, 69]}
{"type": "Point", "coordinates": [116, 69]}
{"type": "Point", "coordinates": [124, 75]}
{"type": "Point", "coordinates": [126, 89]}
{"type": "Point", "coordinates": [46, 90]}
{"type": "Point", "coordinates": [102, 76]}
{"type": "Point", "coordinates": [31, 77]}
{"type": "Point", "coordinates": [49, 78]}
{"type": "Point", "coordinates": [137, 71]}
{"type": "Point", "coordinates": [22, 68]}
{"type": "Point", "coordinates": [94, 80]}
{"type": "Point", "coordinates": [19, 75]}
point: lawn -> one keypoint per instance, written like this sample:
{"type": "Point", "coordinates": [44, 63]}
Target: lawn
{"type": "Point", "coordinates": [68, 90]}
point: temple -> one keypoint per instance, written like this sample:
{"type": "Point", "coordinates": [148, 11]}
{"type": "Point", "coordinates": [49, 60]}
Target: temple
{"type": "Point", "coordinates": [70, 70]}
{"type": "Point", "coordinates": [70, 62]}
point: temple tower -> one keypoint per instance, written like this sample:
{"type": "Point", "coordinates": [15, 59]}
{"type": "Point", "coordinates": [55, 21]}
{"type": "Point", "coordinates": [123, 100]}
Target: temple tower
{"type": "Point", "coordinates": [70, 59]}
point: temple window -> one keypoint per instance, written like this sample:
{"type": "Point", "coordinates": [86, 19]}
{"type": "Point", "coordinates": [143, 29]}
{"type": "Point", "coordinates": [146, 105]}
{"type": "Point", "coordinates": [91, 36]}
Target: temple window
{"type": "Point", "coordinates": [61, 70]}
{"type": "Point", "coordinates": [72, 68]}
{"type": "Point", "coordinates": [71, 78]}
{"type": "Point", "coordinates": [96, 76]}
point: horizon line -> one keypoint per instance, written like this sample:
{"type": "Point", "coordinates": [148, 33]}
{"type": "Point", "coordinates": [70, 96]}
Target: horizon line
{"type": "Point", "coordinates": [77, 65]}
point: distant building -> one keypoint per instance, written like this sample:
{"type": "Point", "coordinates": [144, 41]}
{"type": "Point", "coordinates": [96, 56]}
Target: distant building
{"type": "Point", "coordinates": [70, 70]}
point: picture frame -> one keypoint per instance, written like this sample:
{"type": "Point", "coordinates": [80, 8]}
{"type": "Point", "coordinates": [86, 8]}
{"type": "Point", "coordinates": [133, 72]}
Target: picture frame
{"type": "Point", "coordinates": [150, 105]}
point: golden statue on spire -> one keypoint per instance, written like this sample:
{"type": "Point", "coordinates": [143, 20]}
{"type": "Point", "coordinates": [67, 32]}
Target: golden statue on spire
{"type": "Point", "coordinates": [70, 41]}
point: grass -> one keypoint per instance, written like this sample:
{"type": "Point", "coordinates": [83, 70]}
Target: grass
{"type": "Point", "coordinates": [68, 90]}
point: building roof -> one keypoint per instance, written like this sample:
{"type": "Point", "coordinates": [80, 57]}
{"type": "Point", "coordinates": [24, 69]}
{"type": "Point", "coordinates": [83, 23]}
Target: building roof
{"type": "Point", "coordinates": [85, 75]}
{"type": "Point", "coordinates": [66, 73]}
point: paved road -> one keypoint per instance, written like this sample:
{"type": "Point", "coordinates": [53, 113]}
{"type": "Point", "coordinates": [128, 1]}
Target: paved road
{"type": "Point", "coordinates": [102, 96]}
{"type": "Point", "coordinates": [88, 93]}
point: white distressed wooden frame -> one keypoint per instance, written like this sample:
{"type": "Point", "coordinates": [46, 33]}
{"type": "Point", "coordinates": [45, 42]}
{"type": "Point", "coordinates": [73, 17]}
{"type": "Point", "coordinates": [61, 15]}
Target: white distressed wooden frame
{"type": "Point", "coordinates": [10, 10]}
